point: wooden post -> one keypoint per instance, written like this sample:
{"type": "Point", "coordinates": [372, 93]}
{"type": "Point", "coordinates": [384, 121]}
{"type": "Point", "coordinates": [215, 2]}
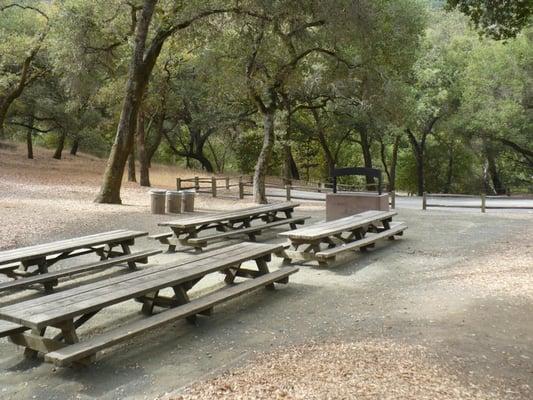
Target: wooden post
{"type": "Point", "coordinates": [227, 182]}
{"type": "Point", "coordinates": [214, 186]}
{"type": "Point", "coordinates": [288, 192]}
{"type": "Point", "coordinates": [196, 183]}
{"type": "Point", "coordinates": [178, 184]}
{"type": "Point", "coordinates": [483, 202]}
{"type": "Point", "coordinates": [241, 189]}
{"type": "Point", "coordinates": [318, 187]}
{"type": "Point", "coordinates": [393, 199]}
{"type": "Point", "coordinates": [424, 201]}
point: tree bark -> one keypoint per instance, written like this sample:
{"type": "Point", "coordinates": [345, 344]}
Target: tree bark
{"type": "Point", "coordinates": [499, 188]}
{"type": "Point", "coordinates": [394, 163]}
{"type": "Point", "coordinates": [141, 147]}
{"type": "Point", "coordinates": [29, 137]}
{"type": "Point", "coordinates": [60, 146]}
{"type": "Point", "coordinates": [75, 147]}
{"type": "Point", "coordinates": [259, 192]}
{"type": "Point", "coordinates": [418, 150]}
{"type": "Point", "coordinates": [131, 166]}
{"type": "Point", "coordinates": [367, 155]}
{"type": "Point", "coordinates": [138, 76]}
{"type": "Point", "coordinates": [449, 172]}
{"type": "Point", "coordinates": [330, 160]}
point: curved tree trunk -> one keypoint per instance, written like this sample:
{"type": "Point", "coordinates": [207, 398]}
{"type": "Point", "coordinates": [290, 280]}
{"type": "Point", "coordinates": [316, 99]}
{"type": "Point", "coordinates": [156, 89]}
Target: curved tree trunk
{"type": "Point", "coordinates": [131, 166]}
{"type": "Point", "coordinates": [394, 163]}
{"type": "Point", "coordinates": [259, 192]}
{"type": "Point", "coordinates": [29, 137]}
{"type": "Point", "coordinates": [60, 146]}
{"type": "Point", "coordinates": [141, 146]}
{"type": "Point", "coordinates": [494, 173]}
{"type": "Point", "coordinates": [138, 76]}
{"type": "Point", "coordinates": [75, 147]}
{"type": "Point", "coordinates": [330, 159]}
{"type": "Point", "coordinates": [367, 155]}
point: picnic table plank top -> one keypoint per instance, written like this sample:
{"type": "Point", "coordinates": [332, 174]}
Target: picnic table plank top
{"type": "Point", "coordinates": [70, 303]}
{"type": "Point", "coordinates": [324, 229]}
{"type": "Point", "coordinates": [229, 215]}
{"type": "Point", "coordinates": [46, 249]}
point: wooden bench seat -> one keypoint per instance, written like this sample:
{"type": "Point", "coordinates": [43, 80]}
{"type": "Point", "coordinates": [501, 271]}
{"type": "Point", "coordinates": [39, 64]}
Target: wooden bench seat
{"type": "Point", "coordinates": [249, 230]}
{"type": "Point", "coordinates": [8, 328]}
{"type": "Point", "coordinates": [160, 236]}
{"type": "Point", "coordinates": [396, 228]}
{"type": "Point", "coordinates": [140, 257]}
{"type": "Point", "coordinates": [86, 349]}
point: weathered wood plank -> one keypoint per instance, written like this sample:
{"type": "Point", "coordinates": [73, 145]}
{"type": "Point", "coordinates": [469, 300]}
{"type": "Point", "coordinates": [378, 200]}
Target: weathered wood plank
{"type": "Point", "coordinates": [67, 355]}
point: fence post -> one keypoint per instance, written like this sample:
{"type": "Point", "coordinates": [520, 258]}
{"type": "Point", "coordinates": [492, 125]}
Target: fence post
{"type": "Point", "coordinates": [241, 189]}
{"type": "Point", "coordinates": [393, 199]}
{"type": "Point", "coordinates": [227, 182]}
{"type": "Point", "coordinates": [214, 186]}
{"type": "Point", "coordinates": [178, 184]}
{"type": "Point", "coordinates": [196, 183]}
{"type": "Point", "coordinates": [483, 200]}
{"type": "Point", "coordinates": [288, 192]}
{"type": "Point", "coordinates": [424, 201]}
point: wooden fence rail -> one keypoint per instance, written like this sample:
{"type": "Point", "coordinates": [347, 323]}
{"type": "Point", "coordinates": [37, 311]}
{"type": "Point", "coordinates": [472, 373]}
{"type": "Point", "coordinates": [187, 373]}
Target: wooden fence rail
{"type": "Point", "coordinates": [482, 202]}
{"type": "Point", "coordinates": [212, 186]}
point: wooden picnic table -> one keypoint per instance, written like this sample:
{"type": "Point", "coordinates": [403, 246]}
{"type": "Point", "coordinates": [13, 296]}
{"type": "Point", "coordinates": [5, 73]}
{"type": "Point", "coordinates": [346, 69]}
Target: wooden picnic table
{"type": "Point", "coordinates": [359, 231]}
{"type": "Point", "coordinates": [70, 309]}
{"type": "Point", "coordinates": [186, 231]}
{"type": "Point", "coordinates": [36, 259]}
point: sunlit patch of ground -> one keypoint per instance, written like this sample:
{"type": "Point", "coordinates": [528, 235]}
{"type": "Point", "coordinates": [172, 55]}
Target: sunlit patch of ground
{"type": "Point", "coordinates": [364, 370]}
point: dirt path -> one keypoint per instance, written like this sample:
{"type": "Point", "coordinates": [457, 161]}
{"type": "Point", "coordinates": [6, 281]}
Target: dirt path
{"type": "Point", "coordinates": [452, 300]}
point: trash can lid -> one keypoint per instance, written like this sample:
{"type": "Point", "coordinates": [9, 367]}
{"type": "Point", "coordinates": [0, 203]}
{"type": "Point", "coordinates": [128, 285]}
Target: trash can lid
{"type": "Point", "coordinates": [173, 193]}
{"type": "Point", "coordinates": [157, 191]}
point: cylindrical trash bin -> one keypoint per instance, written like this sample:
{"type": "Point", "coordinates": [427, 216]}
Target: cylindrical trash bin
{"type": "Point", "coordinates": [157, 201]}
{"type": "Point", "coordinates": [187, 200]}
{"type": "Point", "coordinates": [173, 202]}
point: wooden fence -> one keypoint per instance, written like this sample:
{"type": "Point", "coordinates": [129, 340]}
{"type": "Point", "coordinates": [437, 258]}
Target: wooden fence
{"type": "Point", "coordinates": [482, 202]}
{"type": "Point", "coordinates": [214, 187]}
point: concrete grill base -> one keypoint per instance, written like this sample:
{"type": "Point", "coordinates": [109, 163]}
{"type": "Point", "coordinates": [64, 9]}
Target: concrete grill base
{"type": "Point", "coordinates": [340, 205]}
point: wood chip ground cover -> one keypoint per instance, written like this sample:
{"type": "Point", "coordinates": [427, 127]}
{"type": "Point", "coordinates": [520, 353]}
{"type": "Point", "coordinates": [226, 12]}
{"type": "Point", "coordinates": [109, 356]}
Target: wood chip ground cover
{"type": "Point", "coordinates": [364, 371]}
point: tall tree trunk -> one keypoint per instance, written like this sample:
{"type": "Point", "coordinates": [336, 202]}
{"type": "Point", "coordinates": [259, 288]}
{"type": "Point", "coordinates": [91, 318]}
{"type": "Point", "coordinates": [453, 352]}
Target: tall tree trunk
{"type": "Point", "coordinates": [393, 164]}
{"type": "Point", "coordinates": [330, 160]}
{"type": "Point", "coordinates": [367, 155]}
{"type": "Point", "coordinates": [418, 150]}
{"type": "Point", "coordinates": [60, 146]}
{"type": "Point", "coordinates": [29, 137]}
{"type": "Point", "coordinates": [259, 192]}
{"type": "Point", "coordinates": [75, 147]}
{"type": "Point", "coordinates": [131, 166]}
{"type": "Point", "coordinates": [499, 188]}
{"type": "Point", "coordinates": [138, 76]}
{"type": "Point", "coordinates": [449, 171]}
{"type": "Point", "coordinates": [141, 147]}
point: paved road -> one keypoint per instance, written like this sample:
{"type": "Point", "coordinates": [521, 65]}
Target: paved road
{"type": "Point", "coordinates": [415, 202]}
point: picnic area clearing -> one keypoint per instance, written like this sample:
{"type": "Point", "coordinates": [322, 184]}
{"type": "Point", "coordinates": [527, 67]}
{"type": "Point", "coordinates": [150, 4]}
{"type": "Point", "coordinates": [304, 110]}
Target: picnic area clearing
{"type": "Point", "coordinates": [460, 285]}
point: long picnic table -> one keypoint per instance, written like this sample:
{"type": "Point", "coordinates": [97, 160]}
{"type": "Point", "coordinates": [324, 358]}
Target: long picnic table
{"type": "Point", "coordinates": [186, 231]}
{"type": "Point", "coordinates": [359, 231]}
{"type": "Point", "coordinates": [34, 260]}
{"type": "Point", "coordinates": [70, 309]}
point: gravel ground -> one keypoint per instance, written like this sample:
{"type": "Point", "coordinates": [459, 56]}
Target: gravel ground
{"type": "Point", "coordinates": [444, 312]}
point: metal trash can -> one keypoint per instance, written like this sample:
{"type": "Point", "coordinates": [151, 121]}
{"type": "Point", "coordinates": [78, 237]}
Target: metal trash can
{"type": "Point", "coordinates": [173, 202]}
{"type": "Point", "coordinates": [157, 201]}
{"type": "Point", "coordinates": [187, 200]}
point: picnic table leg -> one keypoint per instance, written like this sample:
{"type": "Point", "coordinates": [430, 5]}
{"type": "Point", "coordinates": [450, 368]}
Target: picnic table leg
{"type": "Point", "coordinates": [31, 353]}
{"type": "Point", "coordinates": [288, 214]}
{"type": "Point", "coordinates": [180, 294]}
{"type": "Point", "coordinates": [126, 250]}
{"type": "Point", "coordinates": [262, 266]}
{"type": "Point", "coordinates": [149, 303]}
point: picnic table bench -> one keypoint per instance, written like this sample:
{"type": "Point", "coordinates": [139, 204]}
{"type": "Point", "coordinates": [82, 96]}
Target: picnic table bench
{"type": "Point", "coordinates": [29, 265]}
{"type": "Point", "coordinates": [359, 231]}
{"type": "Point", "coordinates": [185, 231]}
{"type": "Point", "coordinates": [68, 310]}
